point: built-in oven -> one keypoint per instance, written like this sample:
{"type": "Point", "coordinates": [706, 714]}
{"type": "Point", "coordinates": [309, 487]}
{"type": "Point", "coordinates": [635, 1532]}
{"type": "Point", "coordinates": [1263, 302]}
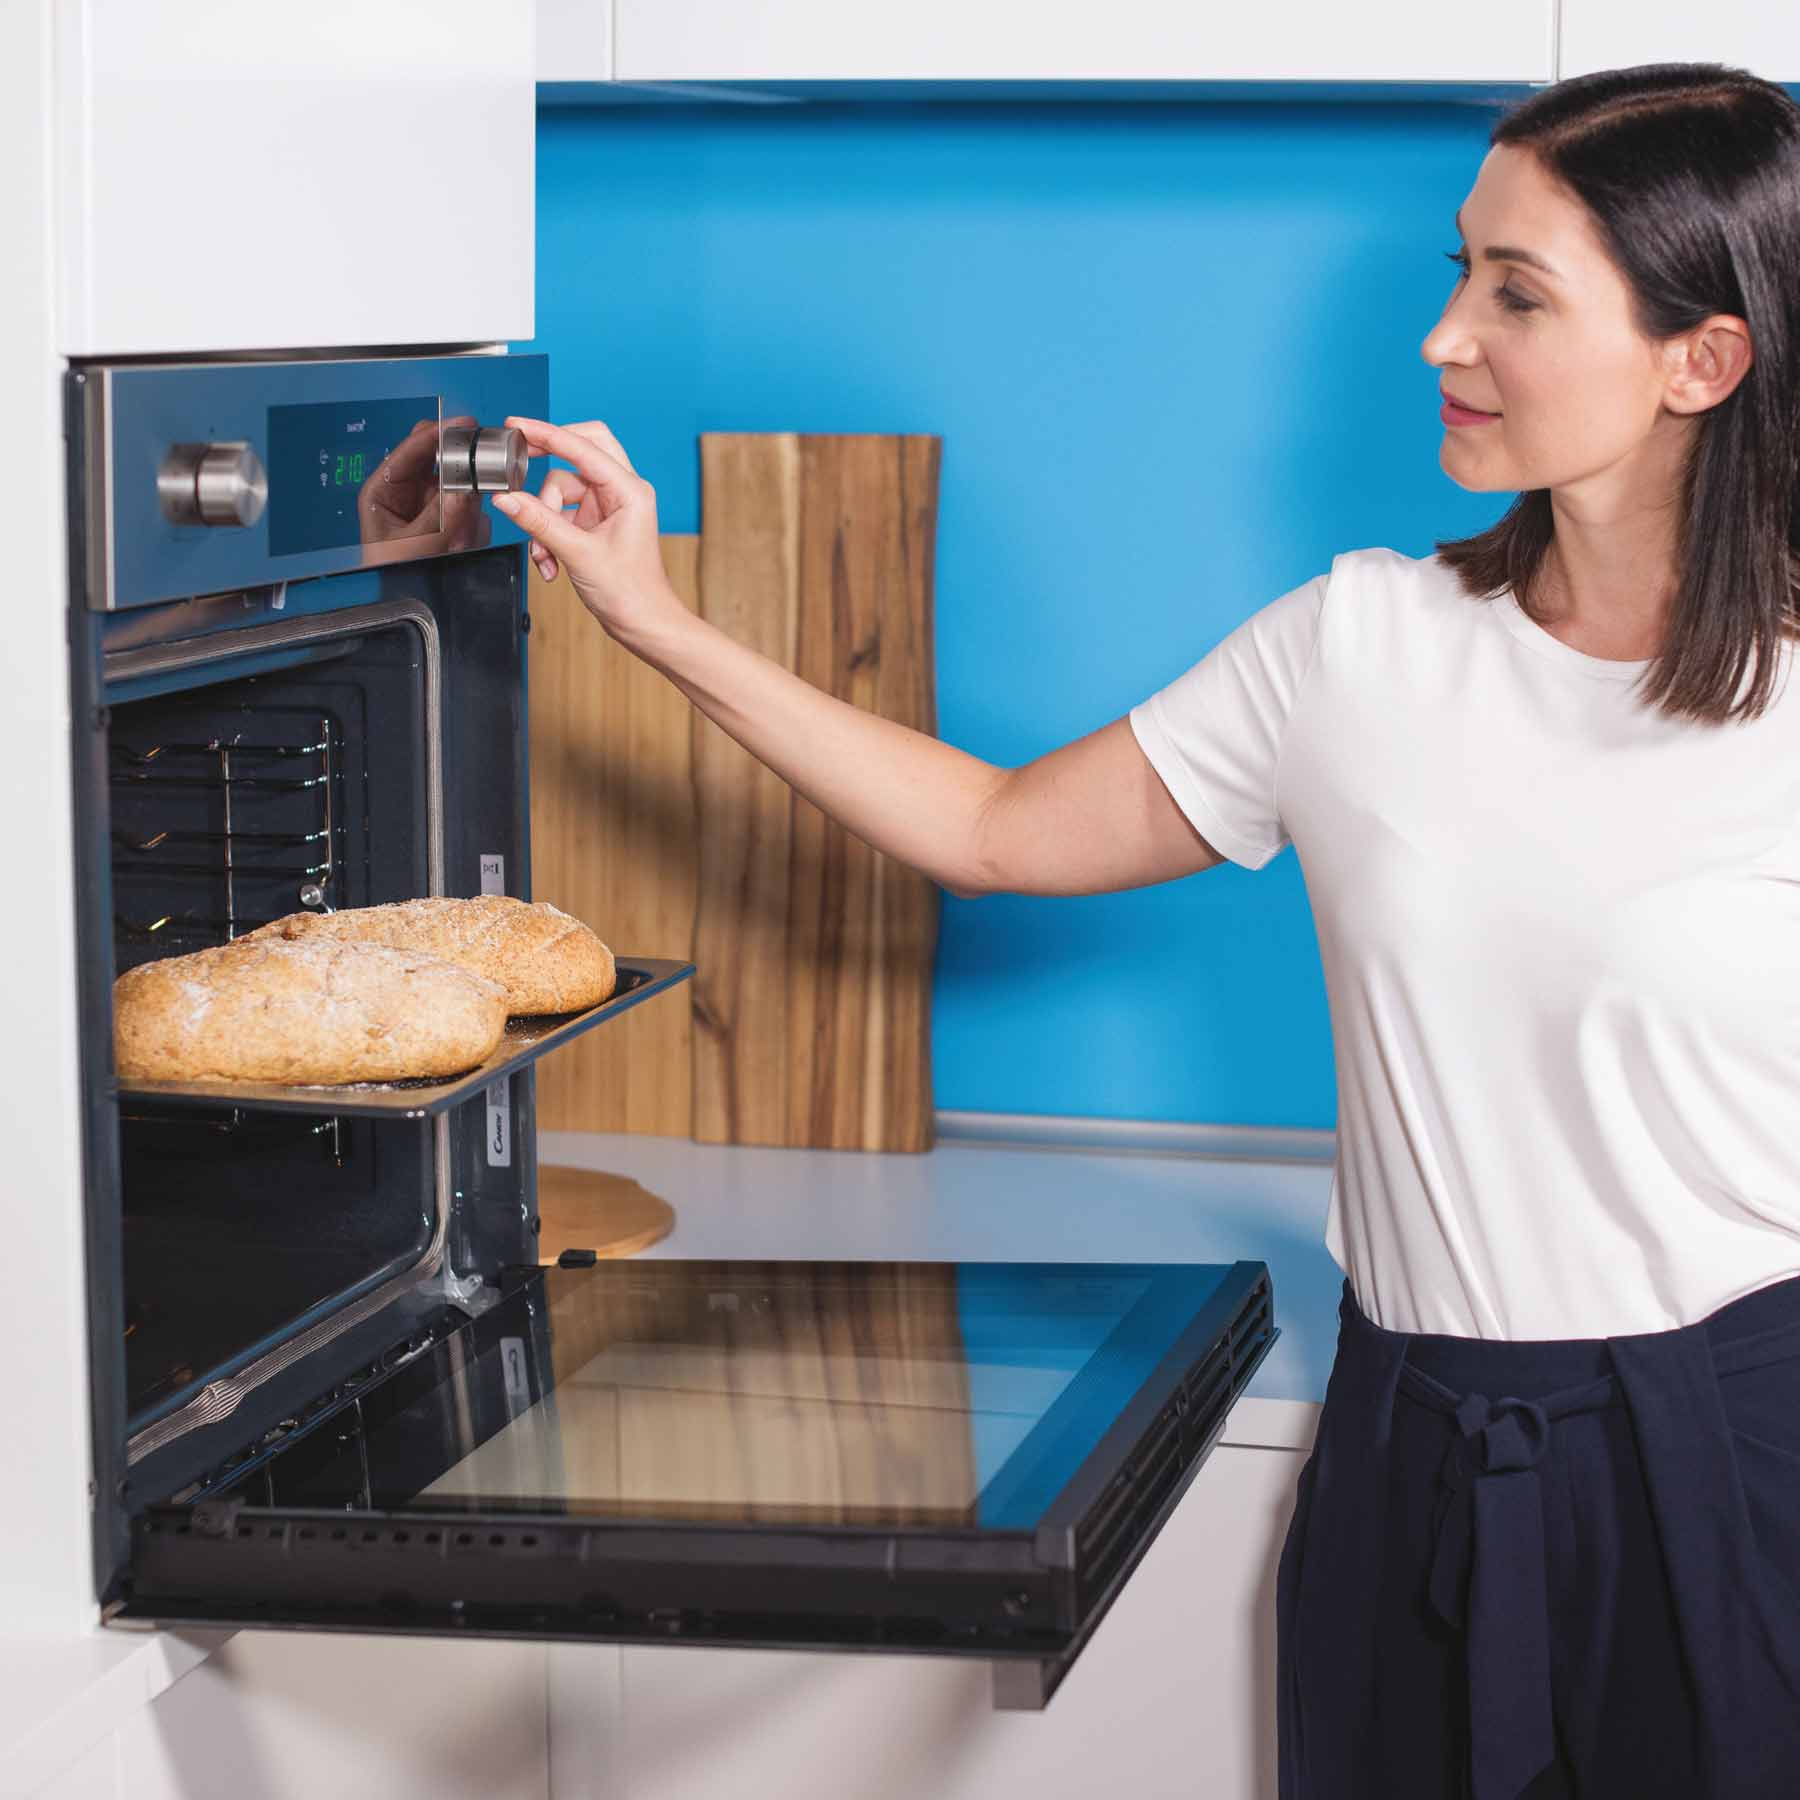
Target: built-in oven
{"type": "Point", "coordinates": [332, 1383]}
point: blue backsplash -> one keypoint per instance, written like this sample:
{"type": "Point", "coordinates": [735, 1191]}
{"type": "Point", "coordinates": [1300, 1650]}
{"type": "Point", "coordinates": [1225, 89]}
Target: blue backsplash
{"type": "Point", "coordinates": [1173, 353]}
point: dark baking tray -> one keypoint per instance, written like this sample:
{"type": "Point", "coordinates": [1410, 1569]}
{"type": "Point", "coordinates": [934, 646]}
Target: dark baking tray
{"type": "Point", "coordinates": [526, 1040]}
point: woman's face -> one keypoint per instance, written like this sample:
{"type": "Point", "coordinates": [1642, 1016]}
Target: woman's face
{"type": "Point", "coordinates": [1542, 336]}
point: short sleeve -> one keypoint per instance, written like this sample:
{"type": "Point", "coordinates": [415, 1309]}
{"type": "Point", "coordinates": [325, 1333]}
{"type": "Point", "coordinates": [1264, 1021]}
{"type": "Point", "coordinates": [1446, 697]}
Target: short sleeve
{"type": "Point", "coordinates": [1214, 734]}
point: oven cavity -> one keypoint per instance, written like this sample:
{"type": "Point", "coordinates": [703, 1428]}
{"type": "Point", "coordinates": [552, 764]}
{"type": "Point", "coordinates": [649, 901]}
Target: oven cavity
{"type": "Point", "coordinates": [233, 802]}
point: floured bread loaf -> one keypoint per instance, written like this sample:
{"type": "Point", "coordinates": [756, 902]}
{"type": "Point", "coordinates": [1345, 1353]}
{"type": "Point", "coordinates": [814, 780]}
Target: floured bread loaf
{"type": "Point", "coordinates": [546, 961]}
{"type": "Point", "coordinates": [311, 1012]}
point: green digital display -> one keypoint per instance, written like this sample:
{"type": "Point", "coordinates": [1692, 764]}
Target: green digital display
{"type": "Point", "coordinates": [322, 456]}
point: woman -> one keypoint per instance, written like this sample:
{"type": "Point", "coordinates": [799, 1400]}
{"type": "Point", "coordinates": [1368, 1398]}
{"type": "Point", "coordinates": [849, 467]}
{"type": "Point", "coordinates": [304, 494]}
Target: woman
{"type": "Point", "coordinates": [1545, 786]}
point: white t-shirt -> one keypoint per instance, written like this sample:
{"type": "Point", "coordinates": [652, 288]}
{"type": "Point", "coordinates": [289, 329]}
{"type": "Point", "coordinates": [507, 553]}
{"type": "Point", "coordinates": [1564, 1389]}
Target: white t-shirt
{"type": "Point", "coordinates": [1561, 941]}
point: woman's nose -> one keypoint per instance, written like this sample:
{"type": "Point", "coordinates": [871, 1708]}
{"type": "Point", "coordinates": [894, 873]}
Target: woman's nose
{"type": "Point", "coordinates": [1447, 341]}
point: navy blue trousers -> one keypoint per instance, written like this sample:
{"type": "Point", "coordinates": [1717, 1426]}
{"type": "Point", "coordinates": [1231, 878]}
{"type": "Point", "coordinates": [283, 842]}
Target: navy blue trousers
{"type": "Point", "coordinates": [1559, 1569]}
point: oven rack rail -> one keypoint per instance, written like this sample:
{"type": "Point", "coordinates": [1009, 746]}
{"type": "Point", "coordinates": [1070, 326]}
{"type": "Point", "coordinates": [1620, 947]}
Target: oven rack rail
{"type": "Point", "coordinates": [526, 1039]}
{"type": "Point", "coordinates": [238, 772]}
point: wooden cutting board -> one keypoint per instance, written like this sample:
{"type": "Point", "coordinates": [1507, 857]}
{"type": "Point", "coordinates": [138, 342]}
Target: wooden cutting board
{"type": "Point", "coordinates": [587, 1209]}
{"type": "Point", "coordinates": [812, 1005]}
{"type": "Point", "coordinates": [808, 1023]}
{"type": "Point", "coordinates": [614, 842]}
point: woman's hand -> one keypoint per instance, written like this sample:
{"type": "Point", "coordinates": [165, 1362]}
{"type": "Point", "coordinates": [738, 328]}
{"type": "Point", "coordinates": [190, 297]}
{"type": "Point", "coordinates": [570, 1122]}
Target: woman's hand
{"type": "Point", "coordinates": [609, 544]}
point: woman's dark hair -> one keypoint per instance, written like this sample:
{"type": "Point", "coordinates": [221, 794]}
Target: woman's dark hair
{"type": "Point", "coordinates": [1691, 173]}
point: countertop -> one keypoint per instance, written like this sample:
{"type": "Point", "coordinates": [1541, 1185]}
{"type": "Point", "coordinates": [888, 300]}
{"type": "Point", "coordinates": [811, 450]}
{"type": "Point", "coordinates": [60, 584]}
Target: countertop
{"type": "Point", "coordinates": [992, 1203]}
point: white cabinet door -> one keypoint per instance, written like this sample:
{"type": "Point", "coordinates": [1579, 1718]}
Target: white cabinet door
{"type": "Point", "coordinates": [574, 40]}
{"type": "Point", "coordinates": [293, 1715]}
{"type": "Point", "coordinates": [1063, 40]}
{"type": "Point", "coordinates": [1173, 1697]}
{"type": "Point", "coordinates": [1762, 36]}
{"type": "Point", "coordinates": [294, 174]}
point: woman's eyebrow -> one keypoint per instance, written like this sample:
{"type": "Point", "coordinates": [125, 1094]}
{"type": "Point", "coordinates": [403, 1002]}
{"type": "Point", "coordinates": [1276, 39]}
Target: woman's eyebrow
{"type": "Point", "coordinates": [1510, 253]}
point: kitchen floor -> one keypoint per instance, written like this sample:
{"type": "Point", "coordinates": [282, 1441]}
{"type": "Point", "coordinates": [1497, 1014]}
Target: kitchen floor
{"type": "Point", "coordinates": [984, 1203]}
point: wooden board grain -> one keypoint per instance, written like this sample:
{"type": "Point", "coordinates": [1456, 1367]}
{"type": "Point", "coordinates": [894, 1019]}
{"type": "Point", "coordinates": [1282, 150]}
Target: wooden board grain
{"type": "Point", "coordinates": [812, 1001]}
{"type": "Point", "coordinates": [590, 1209]}
{"type": "Point", "coordinates": [809, 1021]}
{"type": "Point", "coordinates": [613, 830]}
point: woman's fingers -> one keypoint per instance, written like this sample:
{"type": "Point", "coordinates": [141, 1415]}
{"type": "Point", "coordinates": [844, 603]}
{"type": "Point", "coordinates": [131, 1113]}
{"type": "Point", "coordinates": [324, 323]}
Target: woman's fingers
{"type": "Point", "coordinates": [600, 485]}
{"type": "Point", "coordinates": [556, 494]}
{"type": "Point", "coordinates": [545, 525]}
{"type": "Point", "coordinates": [562, 489]}
{"type": "Point", "coordinates": [601, 461]}
{"type": "Point", "coordinates": [601, 434]}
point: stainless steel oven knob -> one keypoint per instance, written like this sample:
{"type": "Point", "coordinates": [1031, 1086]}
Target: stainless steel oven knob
{"type": "Point", "coordinates": [501, 457]}
{"type": "Point", "coordinates": [212, 484]}
{"type": "Point", "coordinates": [491, 460]}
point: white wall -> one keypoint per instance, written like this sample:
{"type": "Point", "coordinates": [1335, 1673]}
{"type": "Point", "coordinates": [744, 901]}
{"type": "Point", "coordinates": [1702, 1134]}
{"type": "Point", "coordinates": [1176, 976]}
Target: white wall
{"type": "Point", "coordinates": [45, 1568]}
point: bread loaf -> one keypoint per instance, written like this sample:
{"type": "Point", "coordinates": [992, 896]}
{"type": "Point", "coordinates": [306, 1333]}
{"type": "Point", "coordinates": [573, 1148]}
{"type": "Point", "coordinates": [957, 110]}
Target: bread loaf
{"type": "Point", "coordinates": [546, 961]}
{"type": "Point", "coordinates": [310, 1012]}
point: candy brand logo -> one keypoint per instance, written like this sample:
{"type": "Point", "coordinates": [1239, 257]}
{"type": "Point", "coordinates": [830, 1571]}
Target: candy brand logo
{"type": "Point", "coordinates": [499, 1124]}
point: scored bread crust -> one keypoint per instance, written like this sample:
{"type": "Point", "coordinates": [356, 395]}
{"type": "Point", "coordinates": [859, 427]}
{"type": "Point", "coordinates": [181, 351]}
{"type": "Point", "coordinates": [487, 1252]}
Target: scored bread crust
{"type": "Point", "coordinates": [546, 961]}
{"type": "Point", "coordinates": [302, 1013]}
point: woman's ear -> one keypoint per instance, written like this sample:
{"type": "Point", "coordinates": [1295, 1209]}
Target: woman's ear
{"type": "Point", "coordinates": [1707, 364]}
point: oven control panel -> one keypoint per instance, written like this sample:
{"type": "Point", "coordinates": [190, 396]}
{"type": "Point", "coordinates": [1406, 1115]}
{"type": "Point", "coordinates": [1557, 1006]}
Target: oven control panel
{"type": "Point", "coordinates": [205, 478]}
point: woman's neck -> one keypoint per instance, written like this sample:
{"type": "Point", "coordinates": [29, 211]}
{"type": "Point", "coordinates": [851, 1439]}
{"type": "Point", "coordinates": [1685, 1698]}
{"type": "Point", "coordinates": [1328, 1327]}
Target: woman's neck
{"type": "Point", "coordinates": [1606, 590]}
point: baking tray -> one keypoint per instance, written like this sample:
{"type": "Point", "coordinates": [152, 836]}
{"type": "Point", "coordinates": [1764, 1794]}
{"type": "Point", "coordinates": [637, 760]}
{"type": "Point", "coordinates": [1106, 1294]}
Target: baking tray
{"type": "Point", "coordinates": [526, 1040]}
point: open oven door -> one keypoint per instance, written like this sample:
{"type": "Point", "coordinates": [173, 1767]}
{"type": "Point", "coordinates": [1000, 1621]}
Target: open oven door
{"type": "Point", "coordinates": [939, 1458]}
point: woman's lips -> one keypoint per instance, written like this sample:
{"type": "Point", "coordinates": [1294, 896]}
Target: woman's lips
{"type": "Point", "coordinates": [1452, 413]}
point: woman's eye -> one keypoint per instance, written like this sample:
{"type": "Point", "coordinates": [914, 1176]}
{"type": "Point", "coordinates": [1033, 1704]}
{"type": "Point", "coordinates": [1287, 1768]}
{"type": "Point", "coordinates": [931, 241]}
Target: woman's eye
{"type": "Point", "coordinates": [1511, 301]}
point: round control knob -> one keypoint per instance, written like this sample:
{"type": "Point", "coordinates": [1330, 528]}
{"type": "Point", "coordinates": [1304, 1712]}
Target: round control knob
{"type": "Point", "coordinates": [491, 460]}
{"type": "Point", "coordinates": [501, 457]}
{"type": "Point", "coordinates": [212, 484]}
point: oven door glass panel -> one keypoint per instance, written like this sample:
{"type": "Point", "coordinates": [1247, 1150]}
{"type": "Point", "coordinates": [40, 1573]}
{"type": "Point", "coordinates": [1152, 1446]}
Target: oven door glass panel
{"type": "Point", "coordinates": [953, 1457]}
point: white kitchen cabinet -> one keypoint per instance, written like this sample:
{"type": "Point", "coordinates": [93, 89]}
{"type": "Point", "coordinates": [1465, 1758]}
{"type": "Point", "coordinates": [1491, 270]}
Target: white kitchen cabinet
{"type": "Point", "coordinates": [1173, 1697]}
{"type": "Point", "coordinates": [278, 1715]}
{"type": "Point", "coordinates": [298, 173]}
{"type": "Point", "coordinates": [1616, 34]}
{"type": "Point", "coordinates": [1062, 40]}
{"type": "Point", "coordinates": [574, 40]}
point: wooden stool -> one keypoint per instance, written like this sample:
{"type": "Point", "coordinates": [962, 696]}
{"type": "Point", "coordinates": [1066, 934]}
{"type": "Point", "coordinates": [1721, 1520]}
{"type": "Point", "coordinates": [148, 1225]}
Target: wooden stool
{"type": "Point", "coordinates": [585, 1209]}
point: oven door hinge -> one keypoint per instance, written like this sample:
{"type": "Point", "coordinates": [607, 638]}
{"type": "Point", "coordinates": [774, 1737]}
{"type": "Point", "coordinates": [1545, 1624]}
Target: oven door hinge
{"type": "Point", "coordinates": [469, 1292]}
